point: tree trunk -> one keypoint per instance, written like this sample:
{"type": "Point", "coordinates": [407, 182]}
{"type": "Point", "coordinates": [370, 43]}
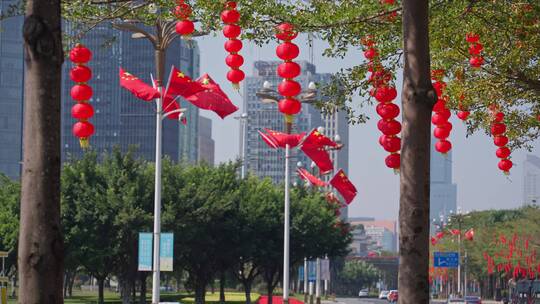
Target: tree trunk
{"type": "Point", "coordinates": [142, 299]}
{"type": "Point", "coordinates": [418, 98]}
{"type": "Point", "coordinates": [66, 283]}
{"type": "Point", "coordinates": [200, 292]}
{"type": "Point", "coordinates": [270, 290]}
{"type": "Point", "coordinates": [101, 288]}
{"type": "Point", "coordinates": [71, 283]}
{"type": "Point", "coordinates": [222, 287]}
{"type": "Point", "coordinates": [247, 290]}
{"type": "Point", "coordinates": [41, 249]}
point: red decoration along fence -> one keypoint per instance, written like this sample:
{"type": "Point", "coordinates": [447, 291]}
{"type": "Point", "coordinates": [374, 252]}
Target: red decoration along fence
{"type": "Point", "coordinates": [230, 16]}
{"type": "Point", "coordinates": [81, 92]}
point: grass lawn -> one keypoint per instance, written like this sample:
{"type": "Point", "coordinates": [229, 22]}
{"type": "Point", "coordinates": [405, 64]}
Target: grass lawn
{"type": "Point", "coordinates": [88, 297]}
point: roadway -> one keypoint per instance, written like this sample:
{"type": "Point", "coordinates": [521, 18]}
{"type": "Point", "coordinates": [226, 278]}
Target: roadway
{"type": "Point", "coordinates": [366, 301]}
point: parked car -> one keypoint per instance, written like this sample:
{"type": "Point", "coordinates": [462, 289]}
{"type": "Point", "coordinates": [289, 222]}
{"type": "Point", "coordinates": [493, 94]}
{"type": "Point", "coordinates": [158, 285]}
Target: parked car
{"type": "Point", "coordinates": [456, 301]}
{"type": "Point", "coordinates": [364, 293]}
{"type": "Point", "coordinates": [384, 294]}
{"type": "Point", "coordinates": [473, 300]}
{"type": "Point", "coordinates": [392, 296]}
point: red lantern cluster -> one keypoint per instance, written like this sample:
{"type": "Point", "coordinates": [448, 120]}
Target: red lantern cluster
{"type": "Point", "coordinates": [230, 16]}
{"type": "Point", "coordinates": [513, 257]}
{"type": "Point", "coordinates": [184, 26]}
{"type": "Point", "coordinates": [385, 93]}
{"type": "Point", "coordinates": [441, 114]}
{"type": "Point", "coordinates": [81, 93]}
{"type": "Point", "coordinates": [475, 50]}
{"type": "Point", "coordinates": [498, 130]}
{"type": "Point", "coordinates": [462, 114]}
{"type": "Point", "coordinates": [288, 70]}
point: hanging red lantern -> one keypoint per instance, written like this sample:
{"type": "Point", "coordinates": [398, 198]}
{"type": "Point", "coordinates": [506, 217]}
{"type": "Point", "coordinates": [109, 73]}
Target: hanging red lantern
{"type": "Point", "coordinates": [80, 73]}
{"type": "Point", "coordinates": [441, 113]}
{"type": "Point", "coordinates": [393, 161]}
{"type": "Point", "coordinates": [386, 94]}
{"type": "Point", "coordinates": [443, 146]}
{"type": "Point", "coordinates": [230, 17]}
{"type": "Point", "coordinates": [81, 92]}
{"type": "Point", "coordinates": [391, 144]}
{"type": "Point", "coordinates": [472, 37]}
{"type": "Point", "coordinates": [476, 61]}
{"type": "Point", "coordinates": [463, 115]}
{"type": "Point", "coordinates": [388, 110]}
{"type": "Point", "coordinates": [184, 26]}
{"type": "Point", "coordinates": [82, 111]}
{"type": "Point", "coordinates": [503, 152]}
{"type": "Point", "coordinates": [80, 54]}
{"type": "Point", "coordinates": [505, 165]}
{"type": "Point", "coordinates": [370, 53]}
{"type": "Point", "coordinates": [390, 127]}
{"type": "Point", "coordinates": [288, 70]}
{"type": "Point", "coordinates": [498, 128]}
{"type": "Point", "coordinates": [475, 48]}
{"type": "Point", "coordinates": [441, 133]}
{"type": "Point", "coordinates": [288, 88]}
{"type": "Point", "coordinates": [289, 106]}
{"type": "Point", "coordinates": [500, 141]}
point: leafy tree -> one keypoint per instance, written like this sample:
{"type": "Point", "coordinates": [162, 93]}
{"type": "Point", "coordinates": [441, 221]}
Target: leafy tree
{"type": "Point", "coordinates": [356, 275]}
{"type": "Point", "coordinates": [10, 192]}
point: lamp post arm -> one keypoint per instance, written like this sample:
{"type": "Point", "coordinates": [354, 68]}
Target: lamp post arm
{"type": "Point", "coordinates": [128, 27]}
{"type": "Point", "coordinates": [165, 115]}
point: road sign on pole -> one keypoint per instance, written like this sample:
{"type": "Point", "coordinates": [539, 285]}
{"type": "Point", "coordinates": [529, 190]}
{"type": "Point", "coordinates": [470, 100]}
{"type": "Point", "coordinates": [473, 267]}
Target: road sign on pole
{"type": "Point", "coordinates": [446, 259]}
{"type": "Point", "coordinates": [301, 273]}
{"type": "Point", "coordinates": [166, 252]}
{"type": "Point", "coordinates": [312, 271]}
{"type": "Point", "coordinates": [145, 251]}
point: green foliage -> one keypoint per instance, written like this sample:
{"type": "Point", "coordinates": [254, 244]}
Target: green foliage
{"type": "Point", "coordinates": [356, 275]}
{"type": "Point", "coordinates": [9, 219]}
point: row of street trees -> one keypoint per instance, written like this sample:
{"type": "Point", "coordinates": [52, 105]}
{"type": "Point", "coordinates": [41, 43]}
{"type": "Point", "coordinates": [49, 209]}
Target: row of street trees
{"type": "Point", "coordinates": [221, 224]}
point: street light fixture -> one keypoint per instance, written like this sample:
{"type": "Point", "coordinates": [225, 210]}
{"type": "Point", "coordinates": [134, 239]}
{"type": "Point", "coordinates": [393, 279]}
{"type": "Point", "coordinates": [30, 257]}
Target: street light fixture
{"type": "Point", "coordinates": [243, 122]}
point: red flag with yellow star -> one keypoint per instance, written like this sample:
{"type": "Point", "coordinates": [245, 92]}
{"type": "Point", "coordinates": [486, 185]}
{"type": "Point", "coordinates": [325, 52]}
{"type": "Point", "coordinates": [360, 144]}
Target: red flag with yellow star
{"type": "Point", "coordinates": [277, 139]}
{"type": "Point", "coordinates": [343, 185]}
{"type": "Point", "coordinates": [316, 139]}
{"type": "Point", "coordinates": [181, 85]}
{"type": "Point", "coordinates": [320, 156]}
{"type": "Point", "coordinates": [137, 87]}
{"type": "Point", "coordinates": [312, 179]}
{"type": "Point", "coordinates": [212, 98]}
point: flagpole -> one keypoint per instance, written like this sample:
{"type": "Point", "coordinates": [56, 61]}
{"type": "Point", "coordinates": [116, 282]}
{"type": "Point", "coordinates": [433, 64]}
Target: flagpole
{"type": "Point", "coordinates": [287, 226]}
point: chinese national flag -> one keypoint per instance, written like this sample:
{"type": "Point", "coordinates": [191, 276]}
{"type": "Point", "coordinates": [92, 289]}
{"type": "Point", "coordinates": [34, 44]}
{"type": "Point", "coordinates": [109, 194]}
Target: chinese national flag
{"type": "Point", "coordinates": [455, 231]}
{"type": "Point", "coordinates": [469, 235]}
{"type": "Point", "coordinates": [320, 156]}
{"type": "Point", "coordinates": [137, 87]}
{"type": "Point", "coordinates": [316, 139]}
{"type": "Point", "coordinates": [171, 104]}
{"type": "Point", "coordinates": [212, 98]}
{"type": "Point", "coordinates": [182, 85]}
{"type": "Point", "coordinates": [276, 139]}
{"type": "Point", "coordinates": [344, 186]}
{"type": "Point", "coordinates": [312, 179]}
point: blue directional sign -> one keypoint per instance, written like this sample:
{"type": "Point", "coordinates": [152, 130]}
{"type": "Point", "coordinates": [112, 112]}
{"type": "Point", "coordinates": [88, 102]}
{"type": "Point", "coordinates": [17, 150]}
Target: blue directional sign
{"type": "Point", "coordinates": [446, 259]}
{"type": "Point", "coordinates": [301, 273]}
{"type": "Point", "coordinates": [145, 251]}
{"type": "Point", "coordinates": [312, 271]}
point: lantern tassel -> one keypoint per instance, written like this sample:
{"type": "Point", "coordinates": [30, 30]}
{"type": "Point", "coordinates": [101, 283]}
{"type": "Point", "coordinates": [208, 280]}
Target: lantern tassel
{"type": "Point", "coordinates": [236, 86]}
{"type": "Point", "coordinates": [85, 143]}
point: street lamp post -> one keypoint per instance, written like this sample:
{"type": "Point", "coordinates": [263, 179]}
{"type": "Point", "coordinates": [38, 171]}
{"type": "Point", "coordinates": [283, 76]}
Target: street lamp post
{"type": "Point", "coordinates": [267, 95]}
{"type": "Point", "coordinates": [243, 124]}
{"type": "Point", "coordinates": [164, 35]}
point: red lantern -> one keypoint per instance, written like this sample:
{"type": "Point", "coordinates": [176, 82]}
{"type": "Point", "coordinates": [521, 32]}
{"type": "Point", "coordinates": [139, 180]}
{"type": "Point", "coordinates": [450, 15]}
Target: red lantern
{"type": "Point", "coordinates": [505, 165]}
{"type": "Point", "coordinates": [498, 128]}
{"type": "Point", "coordinates": [475, 48]}
{"type": "Point", "coordinates": [289, 106]}
{"type": "Point", "coordinates": [391, 144]}
{"type": "Point", "coordinates": [441, 133]}
{"type": "Point", "coordinates": [387, 110]}
{"type": "Point", "coordinates": [439, 106]}
{"type": "Point", "coordinates": [286, 32]}
{"type": "Point", "coordinates": [503, 152]}
{"type": "Point", "coordinates": [287, 51]}
{"type": "Point", "coordinates": [288, 70]}
{"type": "Point", "coordinates": [80, 73]}
{"type": "Point", "coordinates": [499, 117]}
{"type": "Point", "coordinates": [439, 87]}
{"type": "Point", "coordinates": [185, 27]}
{"type": "Point", "coordinates": [83, 129]}
{"type": "Point", "coordinates": [232, 31]}
{"type": "Point", "coordinates": [80, 54]}
{"type": "Point", "coordinates": [370, 53]}
{"type": "Point", "coordinates": [289, 88]}
{"type": "Point", "coordinates": [82, 111]}
{"type": "Point", "coordinates": [393, 161]}
{"type": "Point", "coordinates": [472, 37]}
{"type": "Point", "coordinates": [234, 60]}
{"type": "Point", "coordinates": [443, 146]}
{"type": "Point", "coordinates": [235, 76]}
{"type": "Point", "coordinates": [385, 94]}
{"type": "Point", "coordinates": [439, 119]}
{"type": "Point", "coordinates": [476, 61]}
{"type": "Point", "coordinates": [391, 127]}
{"type": "Point", "coordinates": [500, 141]}
{"type": "Point", "coordinates": [81, 92]}
{"type": "Point", "coordinates": [230, 16]}
{"type": "Point", "coordinates": [233, 45]}
{"type": "Point", "coordinates": [463, 115]}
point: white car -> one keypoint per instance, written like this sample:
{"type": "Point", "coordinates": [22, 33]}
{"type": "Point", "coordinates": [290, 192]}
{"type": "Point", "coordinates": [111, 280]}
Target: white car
{"type": "Point", "coordinates": [383, 295]}
{"type": "Point", "coordinates": [363, 293]}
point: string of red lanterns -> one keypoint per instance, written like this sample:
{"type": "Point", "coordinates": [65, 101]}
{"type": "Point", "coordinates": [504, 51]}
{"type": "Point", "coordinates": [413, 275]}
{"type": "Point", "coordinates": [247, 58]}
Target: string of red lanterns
{"type": "Point", "coordinates": [475, 50]}
{"type": "Point", "coordinates": [230, 16]}
{"type": "Point", "coordinates": [81, 92]}
{"type": "Point", "coordinates": [288, 88]}
{"type": "Point", "coordinates": [498, 130]}
{"type": "Point", "coordinates": [184, 26]}
{"type": "Point", "coordinates": [441, 114]}
{"type": "Point", "coordinates": [385, 93]}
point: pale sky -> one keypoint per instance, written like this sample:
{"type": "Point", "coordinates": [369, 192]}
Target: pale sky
{"type": "Point", "coordinates": [481, 185]}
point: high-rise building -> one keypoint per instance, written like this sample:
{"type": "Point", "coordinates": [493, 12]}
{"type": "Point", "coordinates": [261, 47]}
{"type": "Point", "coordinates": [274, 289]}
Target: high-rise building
{"type": "Point", "coordinates": [531, 180]}
{"type": "Point", "coordinates": [120, 118]}
{"type": "Point", "coordinates": [11, 92]}
{"type": "Point", "coordinates": [206, 143]}
{"type": "Point", "coordinates": [443, 194]}
{"type": "Point", "coordinates": [382, 233]}
{"type": "Point", "coordinates": [265, 162]}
